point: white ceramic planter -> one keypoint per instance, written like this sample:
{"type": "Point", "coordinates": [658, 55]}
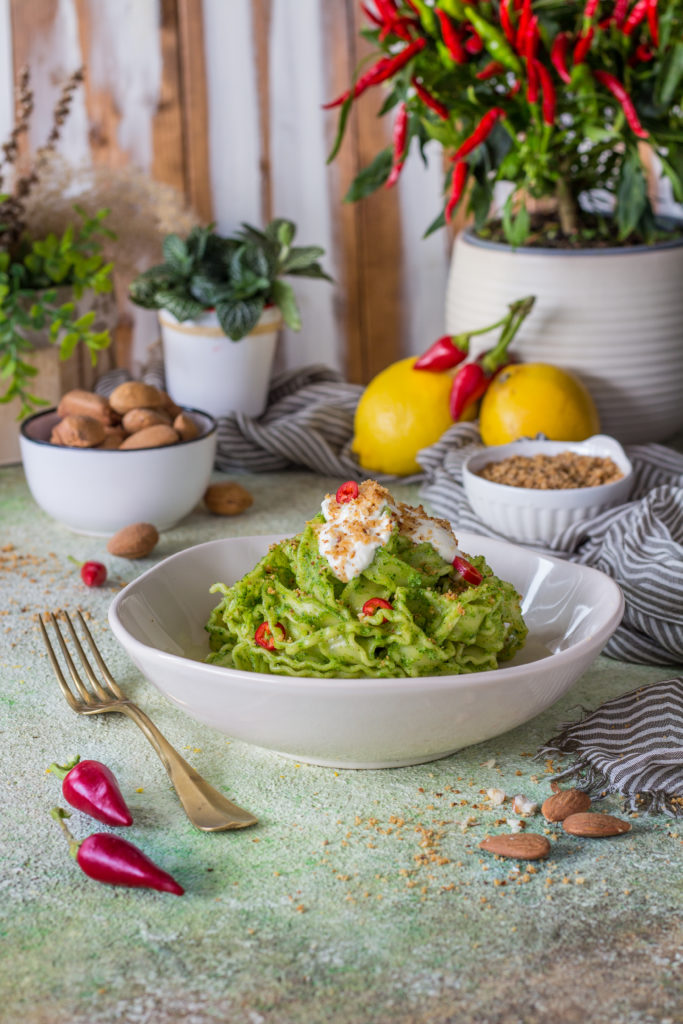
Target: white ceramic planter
{"type": "Point", "coordinates": [612, 316]}
{"type": "Point", "coordinates": [204, 369]}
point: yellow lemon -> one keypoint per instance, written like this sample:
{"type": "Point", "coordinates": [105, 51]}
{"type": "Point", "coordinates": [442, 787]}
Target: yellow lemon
{"type": "Point", "coordinates": [525, 399]}
{"type": "Point", "coordinates": [401, 411]}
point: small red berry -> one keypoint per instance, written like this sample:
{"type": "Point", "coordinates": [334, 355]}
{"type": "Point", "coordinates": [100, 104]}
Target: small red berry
{"type": "Point", "coordinates": [347, 492]}
{"type": "Point", "coordinates": [467, 571]}
{"type": "Point", "coordinates": [93, 574]}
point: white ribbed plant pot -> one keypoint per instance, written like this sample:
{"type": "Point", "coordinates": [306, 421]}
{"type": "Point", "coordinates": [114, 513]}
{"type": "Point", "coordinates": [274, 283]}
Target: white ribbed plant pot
{"type": "Point", "coordinates": [206, 370]}
{"type": "Point", "coordinates": [612, 316]}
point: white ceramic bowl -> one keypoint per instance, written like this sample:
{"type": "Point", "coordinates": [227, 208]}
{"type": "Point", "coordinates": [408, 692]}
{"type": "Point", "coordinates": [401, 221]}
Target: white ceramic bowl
{"type": "Point", "coordinates": [159, 618]}
{"type": "Point", "coordinates": [99, 492]}
{"type": "Point", "coordinates": [531, 516]}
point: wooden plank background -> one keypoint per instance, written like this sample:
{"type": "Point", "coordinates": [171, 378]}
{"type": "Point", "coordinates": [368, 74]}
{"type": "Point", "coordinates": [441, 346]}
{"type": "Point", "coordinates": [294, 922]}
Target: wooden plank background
{"type": "Point", "coordinates": [223, 101]}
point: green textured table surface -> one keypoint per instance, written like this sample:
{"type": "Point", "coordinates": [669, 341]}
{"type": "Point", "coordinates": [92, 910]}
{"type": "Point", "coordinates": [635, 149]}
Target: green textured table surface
{"type": "Point", "coordinates": [360, 897]}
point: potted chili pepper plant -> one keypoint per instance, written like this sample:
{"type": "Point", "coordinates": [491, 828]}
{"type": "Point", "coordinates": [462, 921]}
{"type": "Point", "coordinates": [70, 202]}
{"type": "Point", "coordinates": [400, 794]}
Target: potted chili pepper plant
{"type": "Point", "coordinates": [563, 105]}
{"type": "Point", "coordinates": [221, 302]}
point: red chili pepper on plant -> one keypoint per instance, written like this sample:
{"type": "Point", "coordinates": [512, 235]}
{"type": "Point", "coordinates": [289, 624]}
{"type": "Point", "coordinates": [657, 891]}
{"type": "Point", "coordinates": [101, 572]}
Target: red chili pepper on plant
{"type": "Point", "coordinates": [115, 861]}
{"type": "Point", "coordinates": [469, 572]}
{"type": "Point", "coordinates": [379, 72]}
{"type": "Point", "coordinates": [371, 16]}
{"type": "Point", "coordinates": [652, 21]}
{"type": "Point", "coordinates": [460, 171]}
{"type": "Point", "coordinates": [474, 44]}
{"type": "Point", "coordinates": [429, 100]}
{"type": "Point", "coordinates": [634, 19]}
{"type": "Point", "coordinates": [532, 82]}
{"type": "Point", "coordinates": [91, 787]}
{"type": "Point", "coordinates": [264, 638]}
{"type": "Point", "coordinates": [480, 133]}
{"type": "Point", "coordinates": [446, 352]}
{"type": "Point", "coordinates": [400, 136]}
{"type": "Point", "coordinates": [621, 95]}
{"type": "Point", "coordinates": [583, 45]}
{"type": "Point", "coordinates": [619, 12]}
{"type": "Point", "coordinates": [451, 37]}
{"type": "Point", "coordinates": [549, 98]}
{"type": "Point", "coordinates": [558, 56]}
{"type": "Point", "coordinates": [490, 70]}
{"type": "Point", "coordinates": [524, 19]}
{"type": "Point", "coordinates": [506, 21]}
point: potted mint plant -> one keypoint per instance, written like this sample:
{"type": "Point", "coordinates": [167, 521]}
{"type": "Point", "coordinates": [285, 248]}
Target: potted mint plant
{"type": "Point", "coordinates": [221, 302]}
{"type": "Point", "coordinates": [548, 113]}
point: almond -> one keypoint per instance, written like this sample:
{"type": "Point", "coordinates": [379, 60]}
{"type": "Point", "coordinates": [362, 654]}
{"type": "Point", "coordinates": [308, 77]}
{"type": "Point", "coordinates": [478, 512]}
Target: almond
{"type": "Point", "coordinates": [522, 845]}
{"type": "Point", "coordinates": [564, 803]}
{"type": "Point", "coordinates": [135, 395]}
{"type": "Point", "coordinates": [151, 437]}
{"type": "Point", "coordinates": [138, 419]}
{"type": "Point", "coordinates": [78, 432]}
{"type": "Point", "coordinates": [169, 405]}
{"type": "Point", "coordinates": [134, 541]}
{"type": "Point", "coordinates": [85, 403]}
{"type": "Point", "coordinates": [595, 825]}
{"type": "Point", "coordinates": [227, 499]}
{"type": "Point", "coordinates": [185, 426]}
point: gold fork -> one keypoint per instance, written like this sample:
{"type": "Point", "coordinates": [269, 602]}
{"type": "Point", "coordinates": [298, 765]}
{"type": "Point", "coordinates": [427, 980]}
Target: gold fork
{"type": "Point", "coordinates": [206, 808]}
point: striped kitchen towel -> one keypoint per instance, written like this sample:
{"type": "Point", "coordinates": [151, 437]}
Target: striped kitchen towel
{"type": "Point", "coordinates": [632, 745]}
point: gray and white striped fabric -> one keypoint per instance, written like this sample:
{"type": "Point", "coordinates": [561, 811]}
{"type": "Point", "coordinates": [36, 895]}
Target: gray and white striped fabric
{"type": "Point", "coordinates": [631, 745]}
{"type": "Point", "coordinates": [309, 423]}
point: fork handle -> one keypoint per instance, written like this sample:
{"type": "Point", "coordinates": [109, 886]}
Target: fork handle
{"type": "Point", "coordinates": [206, 808]}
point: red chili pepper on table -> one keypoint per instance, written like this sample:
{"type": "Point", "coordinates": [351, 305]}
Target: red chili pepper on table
{"type": "Point", "coordinates": [480, 133]}
{"type": "Point", "coordinates": [621, 95]}
{"type": "Point", "coordinates": [91, 787]}
{"type": "Point", "coordinates": [347, 492]}
{"type": "Point", "coordinates": [469, 572]}
{"type": "Point", "coordinates": [446, 352]}
{"type": "Point", "coordinates": [458, 182]}
{"type": "Point", "coordinates": [429, 100]}
{"type": "Point", "coordinates": [93, 574]}
{"type": "Point", "coordinates": [451, 37]}
{"type": "Point", "coordinates": [549, 97]}
{"type": "Point", "coordinates": [115, 861]}
{"type": "Point", "coordinates": [400, 136]}
{"type": "Point", "coordinates": [371, 606]}
{"type": "Point", "coordinates": [379, 72]}
{"type": "Point", "coordinates": [264, 638]}
{"type": "Point", "coordinates": [558, 56]}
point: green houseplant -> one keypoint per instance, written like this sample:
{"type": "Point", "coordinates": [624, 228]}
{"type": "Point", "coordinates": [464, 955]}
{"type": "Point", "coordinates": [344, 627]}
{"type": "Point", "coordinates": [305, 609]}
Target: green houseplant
{"type": "Point", "coordinates": [213, 287]}
{"type": "Point", "coordinates": [563, 103]}
{"type": "Point", "coordinates": [43, 280]}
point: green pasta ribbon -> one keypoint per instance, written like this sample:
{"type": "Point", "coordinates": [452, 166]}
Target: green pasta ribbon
{"type": "Point", "coordinates": [437, 625]}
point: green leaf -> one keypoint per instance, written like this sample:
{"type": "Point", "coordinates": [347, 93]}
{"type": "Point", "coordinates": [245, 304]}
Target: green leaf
{"type": "Point", "coordinates": [312, 270]}
{"type": "Point", "coordinates": [672, 72]}
{"type": "Point", "coordinates": [341, 127]}
{"type": "Point", "coordinates": [181, 306]}
{"type": "Point", "coordinates": [632, 198]}
{"type": "Point", "coordinates": [285, 300]}
{"type": "Point", "coordinates": [176, 254]}
{"type": "Point", "coordinates": [437, 223]}
{"type": "Point", "coordinates": [371, 177]}
{"type": "Point", "coordinates": [302, 256]}
{"type": "Point", "coordinates": [674, 178]}
{"type": "Point", "coordinates": [516, 228]}
{"type": "Point", "coordinates": [239, 318]}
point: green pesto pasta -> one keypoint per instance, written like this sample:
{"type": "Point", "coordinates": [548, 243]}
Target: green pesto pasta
{"type": "Point", "coordinates": [437, 624]}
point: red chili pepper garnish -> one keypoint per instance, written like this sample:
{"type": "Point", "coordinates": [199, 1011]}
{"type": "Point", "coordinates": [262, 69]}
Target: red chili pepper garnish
{"type": "Point", "coordinates": [652, 21]}
{"type": "Point", "coordinates": [460, 172]}
{"type": "Point", "coordinates": [558, 56]}
{"type": "Point", "coordinates": [583, 45]}
{"type": "Point", "coordinates": [480, 133]}
{"type": "Point", "coordinates": [469, 573]}
{"type": "Point", "coordinates": [621, 95]}
{"type": "Point", "coordinates": [549, 97]}
{"type": "Point", "coordinates": [451, 37]}
{"type": "Point", "coordinates": [264, 637]}
{"type": "Point", "coordinates": [445, 353]}
{"type": "Point", "coordinates": [371, 606]}
{"type": "Point", "coordinates": [490, 70]}
{"type": "Point", "coordinates": [115, 861]}
{"type": "Point", "coordinates": [379, 72]}
{"type": "Point", "coordinates": [400, 136]}
{"type": "Point", "coordinates": [506, 20]}
{"type": "Point", "coordinates": [347, 492]}
{"type": "Point", "coordinates": [91, 787]}
{"type": "Point", "coordinates": [634, 19]}
{"type": "Point", "coordinates": [429, 100]}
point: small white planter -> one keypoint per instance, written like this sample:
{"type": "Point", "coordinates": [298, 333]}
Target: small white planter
{"type": "Point", "coordinates": [611, 316]}
{"type": "Point", "coordinates": [206, 370]}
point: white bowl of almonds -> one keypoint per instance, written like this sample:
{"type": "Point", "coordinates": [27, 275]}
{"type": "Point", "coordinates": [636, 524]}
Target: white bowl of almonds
{"type": "Point", "coordinates": [97, 464]}
{"type": "Point", "coordinates": [531, 490]}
